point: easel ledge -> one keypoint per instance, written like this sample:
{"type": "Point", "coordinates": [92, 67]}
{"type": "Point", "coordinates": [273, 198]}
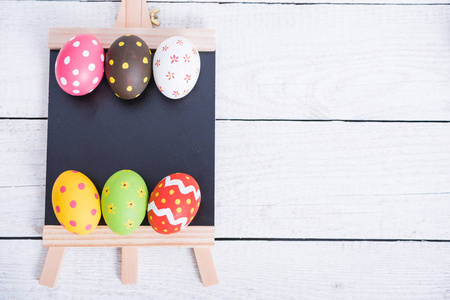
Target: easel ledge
{"type": "Point", "coordinates": [144, 236]}
{"type": "Point", "coordinates": [200, 238]}
{"type": "Point", "coordinates": [203, 39]}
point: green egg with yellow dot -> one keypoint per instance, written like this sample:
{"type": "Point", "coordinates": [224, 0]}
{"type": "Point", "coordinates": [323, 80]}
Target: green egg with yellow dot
{"type": "Point", "coordinates": [128, 67]}
{"type": "Point", "coordinates": [124, 201]}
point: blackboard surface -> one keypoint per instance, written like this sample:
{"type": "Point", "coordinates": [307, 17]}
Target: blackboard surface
{"type": "Point", "coordinates": [99, 134]}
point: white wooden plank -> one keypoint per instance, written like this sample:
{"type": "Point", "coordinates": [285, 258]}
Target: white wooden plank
{"type": "Point", "coordinates": [291, 61]}
{"type": "Point", "coordinates": [23, 208]}
{"type": "Point", "coordinates": [340, 180]}
{"type": "Point", "coordinates": [341, 62]}
{"type": "Point", "coordinates": [284, 179]}
{"type": "Point", "coordinates": [288, 2]}
{"type": "Point", "coordinates": [305, 2]}
{"type": "Point", "coordinates": [24, 75]}
{"type": "Point", "coordinates": [23, 152]}
{"type": "Point", "coordinates": [246, 270]}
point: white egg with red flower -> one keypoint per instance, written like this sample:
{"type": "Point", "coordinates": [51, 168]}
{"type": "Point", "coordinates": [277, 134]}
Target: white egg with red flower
{"type": "Point", "coordinates": [79, 65]}
{"type": "Point", "coordinates": [176, 67]}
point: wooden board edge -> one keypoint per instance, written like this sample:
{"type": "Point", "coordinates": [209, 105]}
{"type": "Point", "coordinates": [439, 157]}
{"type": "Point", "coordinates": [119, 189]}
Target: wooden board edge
{"type": "Point", "coordinates": [203, 39]}
{"type": "Point", "coordinates": [144, 236]}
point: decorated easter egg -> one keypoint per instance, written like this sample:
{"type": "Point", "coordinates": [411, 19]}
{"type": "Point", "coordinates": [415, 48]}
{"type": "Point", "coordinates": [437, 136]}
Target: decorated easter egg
{"type": "Point", "coordinates": [128, 66]}
{"type": "Point", "coordinates": [76, 202]}
{"type": "Point", "coordinates": [176, 67]}
{"type": "Point", "coordinates": [79, 65]}
{"type": "Point", "coordinates": [124, 201]}
{"type": "Point", "coordinates": [173, 203]}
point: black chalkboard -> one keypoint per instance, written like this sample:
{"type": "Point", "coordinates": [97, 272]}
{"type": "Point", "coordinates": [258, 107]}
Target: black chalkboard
{"type": "Point", "coordinates": [99, 134]}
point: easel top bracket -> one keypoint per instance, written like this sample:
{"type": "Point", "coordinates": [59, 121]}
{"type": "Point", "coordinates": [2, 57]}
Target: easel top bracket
{"type": "Point", "coordinates": [133, 18]}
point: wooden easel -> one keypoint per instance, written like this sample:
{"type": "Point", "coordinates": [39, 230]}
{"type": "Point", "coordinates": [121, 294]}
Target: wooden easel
{"type": "Point", "coordinates": [133, 18]}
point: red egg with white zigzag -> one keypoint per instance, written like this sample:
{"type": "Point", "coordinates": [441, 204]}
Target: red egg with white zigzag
{"type": "Point", "coordinates": [173, 203]}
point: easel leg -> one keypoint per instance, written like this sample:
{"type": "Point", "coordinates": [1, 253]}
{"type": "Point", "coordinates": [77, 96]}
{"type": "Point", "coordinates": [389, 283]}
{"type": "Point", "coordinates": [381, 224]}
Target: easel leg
{"type": "Point", "coordinates": [51, 266]}
{"type": "Point", "coordinates": [129, 265]}
{"type": "Point", "coordinates": [206, 266]}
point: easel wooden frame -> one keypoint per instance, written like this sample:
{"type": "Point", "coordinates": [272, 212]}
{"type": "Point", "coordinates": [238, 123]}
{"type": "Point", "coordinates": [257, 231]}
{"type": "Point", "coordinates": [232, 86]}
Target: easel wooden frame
{"type": "Point", "coordinates": [133, 18]}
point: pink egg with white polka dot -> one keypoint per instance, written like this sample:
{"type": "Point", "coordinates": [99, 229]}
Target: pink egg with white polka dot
{"type": "Point", "coordinates": [80, 64]}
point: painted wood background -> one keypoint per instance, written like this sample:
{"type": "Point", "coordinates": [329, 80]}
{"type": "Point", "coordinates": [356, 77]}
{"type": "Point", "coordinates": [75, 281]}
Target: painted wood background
{"type": "Point", "coordinates": [332, 153]}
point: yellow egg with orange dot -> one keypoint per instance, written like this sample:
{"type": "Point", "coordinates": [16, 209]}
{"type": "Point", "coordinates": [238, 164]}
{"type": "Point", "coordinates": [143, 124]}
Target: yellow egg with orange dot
{"type": "Point", "coordinates": [174, 203]}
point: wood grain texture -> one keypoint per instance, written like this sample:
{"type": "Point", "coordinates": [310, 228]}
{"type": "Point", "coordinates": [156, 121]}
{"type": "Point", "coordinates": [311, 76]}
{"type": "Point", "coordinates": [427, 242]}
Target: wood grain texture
{"type": "Point", "coordinates": [102, 236]}
{"type": "Point", "coordinates": [204, 39]}
{"type": "Point", "coordinates": [291, 61]}
{"type": "Point", "coordinates": [288, 2]}
{"type": "Point", "coordinates": [247, 270]}
{"type": "Point", "coordinates": [300, 2]}
{"type": "Point", "coordinates": [284, 179]}
{"type": "Point", "coordinates": [134, 11]}
{"type": "Point", "coordinates": [333, 179]}
{"type": "Point", "coordinates": [125, 14]}
{"type": "Point", "coordinates": [130, 256]}
{"type": "Point", "coordinates": [52, 263]}
{"type": "Point", "coordinates": [206, 267]}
